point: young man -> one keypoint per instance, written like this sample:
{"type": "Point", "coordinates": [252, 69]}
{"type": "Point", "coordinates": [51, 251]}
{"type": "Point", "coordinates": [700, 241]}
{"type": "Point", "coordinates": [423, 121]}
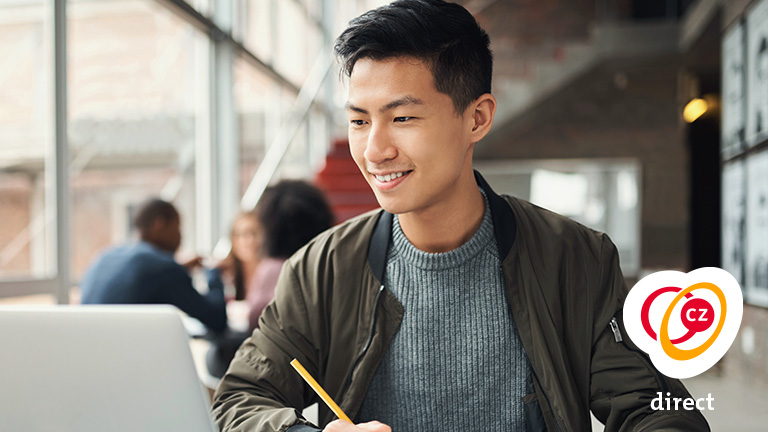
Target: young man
{"type": "Point", "coordinates": [453, 309]}
{"type": "Point", "coordinates": [145, 272]}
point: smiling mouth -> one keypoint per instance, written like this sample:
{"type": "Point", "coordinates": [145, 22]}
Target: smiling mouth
{"type": "Point", "coordinates": [390, 177]}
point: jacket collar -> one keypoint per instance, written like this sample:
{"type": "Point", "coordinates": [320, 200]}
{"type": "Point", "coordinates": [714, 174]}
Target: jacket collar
{"type": "Point", "coordinates": [503, 225]}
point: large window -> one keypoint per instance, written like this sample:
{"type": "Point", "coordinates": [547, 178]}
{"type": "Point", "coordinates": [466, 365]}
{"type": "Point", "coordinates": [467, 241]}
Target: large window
{"type": "Point", "coordinates": [157, 100]}
{"type": "Point", "coordinates": [134, 89]}
{"type": "Point", "coordinates": [285, 34]}
{"type": "Point", "coordinates": [27, 248]}
{"type": "Point", "coordinates": [257, 100]}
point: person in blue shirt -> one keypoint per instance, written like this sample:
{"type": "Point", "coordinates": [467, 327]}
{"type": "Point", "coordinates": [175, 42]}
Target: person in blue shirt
{"type": "Point", "coordinates": [146, 272]}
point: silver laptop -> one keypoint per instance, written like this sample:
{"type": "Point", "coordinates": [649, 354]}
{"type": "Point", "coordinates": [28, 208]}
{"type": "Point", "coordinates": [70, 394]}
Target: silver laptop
{"type": "Point", "coordinates": [98, 368]}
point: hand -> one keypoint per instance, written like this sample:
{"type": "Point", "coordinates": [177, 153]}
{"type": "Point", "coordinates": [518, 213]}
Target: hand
{"type": "Point", "coordinates": [345, 426]}
{"type": "Point", "coordinates": [227, 265]}
{"type": "Point", "coordinates": [193, 263]}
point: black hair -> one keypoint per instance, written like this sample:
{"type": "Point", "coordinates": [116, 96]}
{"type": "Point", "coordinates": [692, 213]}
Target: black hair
{"type": "Point", "coordinates": [292, 213]}
{"type": "Point", "coordinates": [151, 210]}
{"type": "Point", "coordinates": [444, 35]}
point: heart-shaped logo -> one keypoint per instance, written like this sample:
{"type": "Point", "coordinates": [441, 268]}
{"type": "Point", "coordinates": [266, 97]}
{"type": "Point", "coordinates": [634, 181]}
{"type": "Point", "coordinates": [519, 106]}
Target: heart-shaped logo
{"type": "Point", "coordinates": [686, 322]}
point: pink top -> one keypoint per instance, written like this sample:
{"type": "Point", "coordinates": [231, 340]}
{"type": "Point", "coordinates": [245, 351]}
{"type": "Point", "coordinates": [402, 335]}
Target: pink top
{"type": "Point", "coordinates": [261, 290]}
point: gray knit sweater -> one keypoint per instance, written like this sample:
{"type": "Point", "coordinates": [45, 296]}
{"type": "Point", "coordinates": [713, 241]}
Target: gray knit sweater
{"type": "Point", "coordinates": [456, 363]}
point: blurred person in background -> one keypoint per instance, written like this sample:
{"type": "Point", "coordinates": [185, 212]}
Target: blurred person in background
{"type": "Point", "coordinates": [289, 214]}
{"type": "Point", "coordinates": [238, 269]}
{"type": "Point", "coordinates": [240, 265]}
{"type": "Point", "coordinates": [146, 272]}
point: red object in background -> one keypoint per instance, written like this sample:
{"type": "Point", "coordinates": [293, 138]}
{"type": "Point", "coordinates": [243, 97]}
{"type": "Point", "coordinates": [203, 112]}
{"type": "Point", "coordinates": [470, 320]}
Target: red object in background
{"type": "Point", "coordinates": [343, 184]}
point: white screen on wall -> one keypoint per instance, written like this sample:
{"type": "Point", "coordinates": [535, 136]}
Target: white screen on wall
{"type": "Point", "coordinates": [756, 268]}
{"type": "Point", "coordinates": [734, 204]}
{"type": "Point", "coordinates": [757, 73]}
{"type": "Point", "coordinates": [733, 125]}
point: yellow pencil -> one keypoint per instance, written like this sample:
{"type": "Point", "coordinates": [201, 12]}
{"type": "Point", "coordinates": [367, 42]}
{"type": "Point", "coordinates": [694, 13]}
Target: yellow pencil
{"type": "Point", "coordinates": [319, 390]}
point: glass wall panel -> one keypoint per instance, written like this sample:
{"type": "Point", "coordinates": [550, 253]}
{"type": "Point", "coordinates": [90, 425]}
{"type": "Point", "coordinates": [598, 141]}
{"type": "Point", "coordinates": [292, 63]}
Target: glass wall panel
{"type": "Point", "coordinates": [254, 27]}
{"type": "Point", "coordinates": [139, 108]}
{"type": "Point", "coordinates": [319, 139]}
{"type": "Point", "coordinates": [299, 42]}
{"type": "Point", "coordinates": [601, 194]}
{"type": "Point", "coordinates": [314, 9]}
{"type": "Point", "coordinates": [280, 33]}
{"type": "Point", "coordinates": [134, 89]}
{"type": "Point", "coordinates": [27, 221]}
{"type": "Point", "coordinates": [258, 117]}
{"type": "Point", "coordinates": [295, 163]}
{"type": "Point", "coordinates": [205, 7]}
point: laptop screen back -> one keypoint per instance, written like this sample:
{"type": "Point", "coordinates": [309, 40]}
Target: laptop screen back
{"type": "Point", "coordinates": [98, 368]}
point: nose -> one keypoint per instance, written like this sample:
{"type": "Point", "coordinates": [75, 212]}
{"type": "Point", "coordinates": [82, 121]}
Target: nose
{"type": "Point", "coordinates": [379, 147]}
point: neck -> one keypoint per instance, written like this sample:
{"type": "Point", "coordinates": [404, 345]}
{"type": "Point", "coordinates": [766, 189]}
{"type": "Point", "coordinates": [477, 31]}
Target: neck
{"type": "Point", "coordinates": [448, 224]}
{"type": "Point", "coordinates": [157, 245]}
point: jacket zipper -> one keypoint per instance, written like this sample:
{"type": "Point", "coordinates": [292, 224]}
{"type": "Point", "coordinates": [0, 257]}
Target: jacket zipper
{"type": "Point", "coordinates": [554, 417]}
{"type": "Point", "coordinates": [615, 329]}
{"type": "Point", "coordinates": [537, 384]}
{"type": "Point", "coordinates": [533, 372]}
{"type": "Point", "coordinates": [370, 337]}
{"type": "Point", "coordinates": [614, 325]}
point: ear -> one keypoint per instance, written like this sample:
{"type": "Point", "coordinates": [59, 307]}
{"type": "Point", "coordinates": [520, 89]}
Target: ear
{"type": "Point", "coordinates": [481, 112]}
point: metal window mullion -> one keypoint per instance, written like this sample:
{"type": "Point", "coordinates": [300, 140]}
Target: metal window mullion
{"type": "Point", "coordinates": [227, 166]}
{"type": "Point", "coordinates": [204, 149]}
{"type": "Point", "coordinates": [329, 15]}
{"type": "Point", "coordinates": [202, 23]}
{"type": "Point", "coordinates": [274, 35]}
{"type": "Point", "coordinates": [226, 146]}
{"type": "Point", "coordinates": [215, 31]}
{"type": "Point", "coordinates": [57, 174]}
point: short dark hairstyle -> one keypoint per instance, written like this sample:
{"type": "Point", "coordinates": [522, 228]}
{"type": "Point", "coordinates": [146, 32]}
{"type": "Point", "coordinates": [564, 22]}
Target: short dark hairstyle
{"type": "Point", "coordinates": [291, 213]}
{"type": "Point", "coordinates": [151, 210]}
{"type": "Point", "coordinates": [444, 35]}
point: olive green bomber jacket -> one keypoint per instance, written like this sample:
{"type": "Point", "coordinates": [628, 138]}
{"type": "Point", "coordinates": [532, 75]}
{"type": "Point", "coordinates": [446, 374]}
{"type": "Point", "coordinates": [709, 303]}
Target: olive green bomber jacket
{"type": "Point", "coordinates": [564, 288]}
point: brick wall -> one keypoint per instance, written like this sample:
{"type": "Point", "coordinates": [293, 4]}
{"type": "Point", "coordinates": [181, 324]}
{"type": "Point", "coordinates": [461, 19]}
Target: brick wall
{"type": "Point", "coordinates": [15, 195]}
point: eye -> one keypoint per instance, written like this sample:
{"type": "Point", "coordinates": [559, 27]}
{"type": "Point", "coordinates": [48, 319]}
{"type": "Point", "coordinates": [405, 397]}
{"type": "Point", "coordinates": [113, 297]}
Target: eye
{"type": "Point", "coordinates": [357, 122]}
{"type": "Point", "coordinates": [403, 119]}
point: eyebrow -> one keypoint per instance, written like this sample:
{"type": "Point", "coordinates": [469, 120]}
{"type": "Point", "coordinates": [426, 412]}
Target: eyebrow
{"type": "Point", "coordinates": [406, 100]}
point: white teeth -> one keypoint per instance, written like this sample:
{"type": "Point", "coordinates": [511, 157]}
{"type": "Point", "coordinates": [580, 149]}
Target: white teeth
{"type": "Point", "coordinates": [389, 177]}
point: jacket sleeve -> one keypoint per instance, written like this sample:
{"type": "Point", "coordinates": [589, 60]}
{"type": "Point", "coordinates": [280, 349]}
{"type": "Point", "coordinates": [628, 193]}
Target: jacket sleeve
{"type": "Point", "coordinates": [261, 391]}
{"type": "Point", "coordinates": [623, 379]}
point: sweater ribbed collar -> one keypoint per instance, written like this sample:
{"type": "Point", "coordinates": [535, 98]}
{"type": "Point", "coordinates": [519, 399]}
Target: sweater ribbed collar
{"type": "Point", "coordinates": [401, 247]}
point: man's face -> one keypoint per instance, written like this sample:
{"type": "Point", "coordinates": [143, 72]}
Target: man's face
{"type": "Point", "coordinates": [167, 233]}
{"type": "Point", "coordinates": [404, 135]}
